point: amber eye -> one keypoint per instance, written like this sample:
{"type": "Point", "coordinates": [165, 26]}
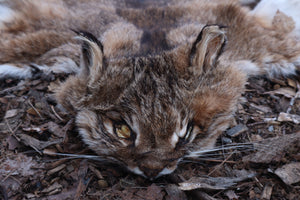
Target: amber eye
{"type": "Point", "coordinates": [123, 131]}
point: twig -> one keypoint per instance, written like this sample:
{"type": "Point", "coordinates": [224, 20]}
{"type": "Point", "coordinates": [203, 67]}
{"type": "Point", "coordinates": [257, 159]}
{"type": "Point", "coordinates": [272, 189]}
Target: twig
{"type": "Point", "coordinates": [221, 163]}
{"type": "Point", "coordinates": [55, 113]}
{"type": "Point", "coordinates": [9, 128]}
{"type": "Point", "coordinates": [13, 132]}
{"type": "Point", "coordinates": [7, 90]}
{"type": "Point", "coordinates": [7, 176]}
{"type": "Point", "coordinates": [258, 183]}
{"type": "Point", "coordinates": [39, 114]}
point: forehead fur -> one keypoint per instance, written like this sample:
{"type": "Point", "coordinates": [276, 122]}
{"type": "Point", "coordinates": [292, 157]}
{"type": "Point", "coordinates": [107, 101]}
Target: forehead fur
{"type": "Point", "coordinates": [154, 93]}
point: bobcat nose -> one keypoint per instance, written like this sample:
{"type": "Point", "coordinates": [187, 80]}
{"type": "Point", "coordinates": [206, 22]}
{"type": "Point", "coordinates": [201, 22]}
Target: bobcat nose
{"type": "Point", "coordinates": [150, 173]}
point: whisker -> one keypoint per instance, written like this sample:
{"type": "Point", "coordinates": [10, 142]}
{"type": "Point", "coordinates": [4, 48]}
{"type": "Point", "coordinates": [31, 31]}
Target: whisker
{"type": "Point", "coordinates": [207, 160]}
{"type": "Point", "coordinates": [242, 146]}
{"type": "Point", "coordinates": [80, 156]}
{"type": "Point", "coordinates": [70, 156]}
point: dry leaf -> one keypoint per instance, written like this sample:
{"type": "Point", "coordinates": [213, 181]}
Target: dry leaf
{"type": "Point", "coordinates": [35, 143]}
{"type": "Point", "coordinates": [11, 113]}
{"type": "Point", "coordinates": [264, 109]}
{"type": "Point", "coordinates": [174, 193]}
{"type": "Point", "coordinates": [231, 195]}
{"type": "Point", "coordinates": [212, 183]}
{"type": "Point", "coordinates": [235, 131]}
{"type": "Point", "coordinates": [289, 173]}
{"type": "Point", "coordinates": [12, 143]}
{"type": "Point", "coordinates": [285, 117]}
{"type": "Point", "coordinates": [56, 169]}
{"type": "Point", "coordinates": [286, 91]}
{"type": "Point", "coordinates": [292, 83]}
{"type": "Point", "coordinates": [267, 192]}
{"type": "Point", "coordinates": [53, 189]}
{"type": "Point", "coordinates": [20, 165]}
{"type": "Point", "coordinates": [274, 149]}
{"type": "Point", "coordinates": [32, 111]}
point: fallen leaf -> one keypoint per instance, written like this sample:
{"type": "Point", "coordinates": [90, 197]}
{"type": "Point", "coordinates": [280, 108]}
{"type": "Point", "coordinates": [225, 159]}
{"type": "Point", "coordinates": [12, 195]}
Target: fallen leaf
{"type": "Point", "coordinates": [274, 149]}
{"type": "Point", "coordinates": [56, 169]}
{"type": "Point", "coordinates": [174, 193]}
{"type": "Point", "coordinates": [212, 183]}
{"type": "Point", "coordinates": [11, 113]}
{"type": "Point", "coordinates": [289, 173]}
{"type": "Point", "coordinates": [267, 192]}
{"type": "Point", "coordinates": [19, 164]}
{"type": "Point", "coordinates": [231, 195]}
{"type": "Point", "coordinates": [264, 109]}
{"type": "Point", "coordinates": [53, 189]}
{"type": "Point", "coordinates": [35, 143]}
{"type": "Point", "coordinates": [285, 117]}
{"type": "Point", "coordinates": [292, 83]}
{"type": "Point", "coordinates": [235, 131]}
{"type": "Point", "coordinates": [32, 111]}
{"type": "Point", "coordinates": [12, 142]}
{"type": "Point", "coordinates": [286, 91]}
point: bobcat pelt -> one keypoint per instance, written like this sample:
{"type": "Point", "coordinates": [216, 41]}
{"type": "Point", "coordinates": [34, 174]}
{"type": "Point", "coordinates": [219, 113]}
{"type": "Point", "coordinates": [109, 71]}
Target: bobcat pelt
{"type": "Point", "coordinates": [149, 86]}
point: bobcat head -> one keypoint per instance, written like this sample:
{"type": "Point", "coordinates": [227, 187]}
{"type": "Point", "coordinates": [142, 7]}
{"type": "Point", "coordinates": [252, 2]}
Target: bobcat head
{"type": "Point", "coordinates": [150, 112]}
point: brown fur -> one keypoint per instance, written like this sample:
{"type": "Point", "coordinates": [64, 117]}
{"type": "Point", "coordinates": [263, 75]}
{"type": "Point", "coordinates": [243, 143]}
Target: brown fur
{"type": "Point", "coordinates": [160, 72]}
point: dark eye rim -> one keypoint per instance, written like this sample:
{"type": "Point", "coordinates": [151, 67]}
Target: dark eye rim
{"type": "Point", "coordinates": [184, 140]}
{"type": "Point", "coordinates": [189, 130]}
{"type": "Point", "coordinates": [119, 123]}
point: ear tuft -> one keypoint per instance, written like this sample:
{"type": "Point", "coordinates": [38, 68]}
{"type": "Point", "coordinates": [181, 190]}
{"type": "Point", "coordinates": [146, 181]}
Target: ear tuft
{"type": "Point", "coordinates": [207, 48]}
{"type": "Point", "coordinates": [90, 37]}
{"type": "Point", "coordinates": [92, 56]}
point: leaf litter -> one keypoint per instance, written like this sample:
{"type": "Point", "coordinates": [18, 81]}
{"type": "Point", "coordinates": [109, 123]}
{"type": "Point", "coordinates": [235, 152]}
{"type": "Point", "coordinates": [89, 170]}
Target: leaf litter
{"type": "Point", "coordinates": [37, 137]}
{"type": "Point", "coordinates": [34, 149]}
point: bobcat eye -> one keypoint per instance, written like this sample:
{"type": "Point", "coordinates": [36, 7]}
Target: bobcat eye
{"type": "Point", "coordinates": [189, 130]}
{"type": "Point", "coordinates": [123, 131]}
{"type": "Point", "coordinates": [187, 136]}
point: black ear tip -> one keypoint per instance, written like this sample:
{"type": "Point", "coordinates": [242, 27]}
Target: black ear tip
{"type": "Point", "coordinates": [199, 37]}
{"type": "Point", "coordinates": [222, 26]}
{"type": "Point", "coordinates": [89, 36]}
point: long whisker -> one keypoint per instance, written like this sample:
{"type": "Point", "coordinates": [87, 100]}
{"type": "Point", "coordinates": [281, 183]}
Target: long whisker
{"type": "Point", "coordinates": [91, 157]}
{"type": "Point", "coordinates": [249, 146]}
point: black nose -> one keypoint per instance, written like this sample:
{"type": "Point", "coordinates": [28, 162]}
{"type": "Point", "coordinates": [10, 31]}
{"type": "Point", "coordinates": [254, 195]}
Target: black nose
{"type": "Point", "coordinates": [150, 173]}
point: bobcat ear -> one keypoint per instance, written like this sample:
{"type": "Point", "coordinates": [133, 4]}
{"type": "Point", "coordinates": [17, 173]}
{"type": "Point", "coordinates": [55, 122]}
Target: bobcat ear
{"type": "Point", "coordinates": [207, 48]}
{"type": "Point", "coordinates": [92, 56]}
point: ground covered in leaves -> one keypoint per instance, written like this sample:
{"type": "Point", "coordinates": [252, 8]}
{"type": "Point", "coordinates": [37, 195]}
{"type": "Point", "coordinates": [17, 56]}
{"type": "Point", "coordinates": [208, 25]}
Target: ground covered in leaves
{"type": "Point", "coordinates": [259, 157]}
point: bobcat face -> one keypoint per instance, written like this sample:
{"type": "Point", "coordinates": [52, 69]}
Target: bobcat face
{"type": "Point", "coordinates": [148, 113]}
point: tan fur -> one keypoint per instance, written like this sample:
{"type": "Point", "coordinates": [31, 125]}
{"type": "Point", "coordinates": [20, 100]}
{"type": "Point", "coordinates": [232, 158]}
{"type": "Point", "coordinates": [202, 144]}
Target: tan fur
{"type": "Point", "coordinates": [161, 72]}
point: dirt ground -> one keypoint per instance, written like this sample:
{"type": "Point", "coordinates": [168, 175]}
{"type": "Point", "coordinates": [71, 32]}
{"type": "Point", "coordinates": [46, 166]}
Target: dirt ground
{"type": "Point", "coordinates": [258, 158]}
